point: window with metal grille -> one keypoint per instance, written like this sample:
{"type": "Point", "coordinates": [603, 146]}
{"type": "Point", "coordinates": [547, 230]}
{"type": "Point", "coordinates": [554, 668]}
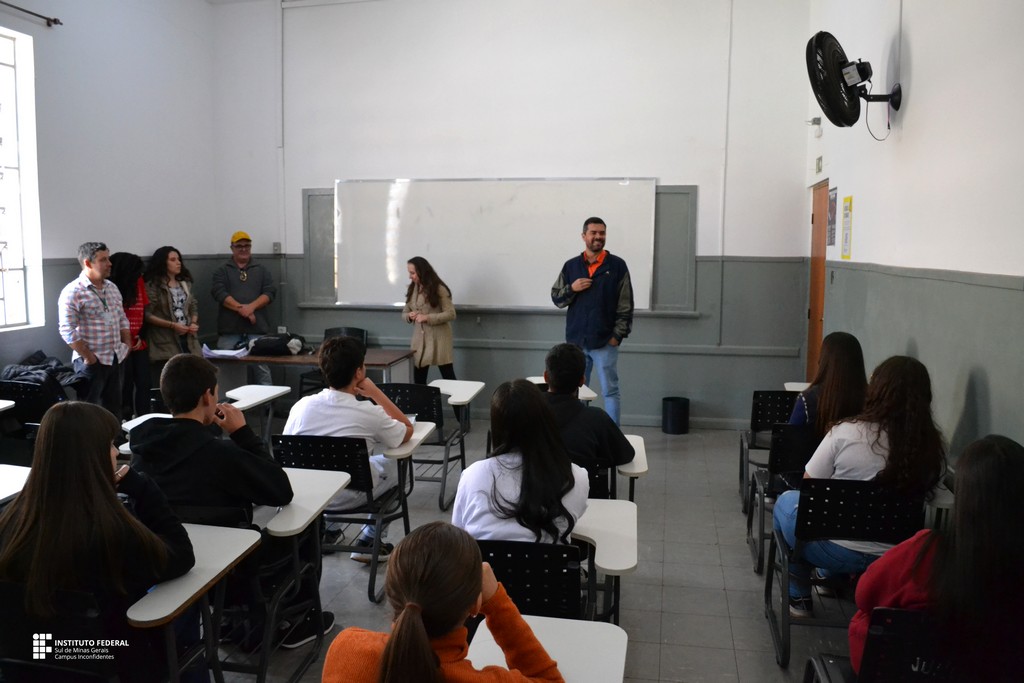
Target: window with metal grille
{"type": "Point", "coordinates": [21, 286]}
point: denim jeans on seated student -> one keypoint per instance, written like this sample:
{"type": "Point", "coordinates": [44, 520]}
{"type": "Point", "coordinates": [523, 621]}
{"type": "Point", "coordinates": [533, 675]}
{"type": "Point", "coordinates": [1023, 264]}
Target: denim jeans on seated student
{"type": "Point", "coordinates": [605, 360]}
{"type": "Point", "coordinates": [832, 557]}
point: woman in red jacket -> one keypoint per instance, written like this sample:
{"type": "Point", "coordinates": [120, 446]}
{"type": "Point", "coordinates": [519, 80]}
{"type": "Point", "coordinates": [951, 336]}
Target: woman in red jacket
{"type": "Point", "coordinates": [435, 581]}
{"type": "Point", "coordinates": [968, 576]}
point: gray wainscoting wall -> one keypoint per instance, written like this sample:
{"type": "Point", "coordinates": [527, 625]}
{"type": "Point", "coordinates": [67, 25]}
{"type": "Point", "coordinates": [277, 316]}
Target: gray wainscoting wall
{"type": "Point", "coordinates": [967, 328]}
{"type": "Point", "coordinates": [747, 333]}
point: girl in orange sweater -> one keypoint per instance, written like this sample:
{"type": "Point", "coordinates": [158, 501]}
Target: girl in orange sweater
{"type": "Point", "coordinates": [435, 581]}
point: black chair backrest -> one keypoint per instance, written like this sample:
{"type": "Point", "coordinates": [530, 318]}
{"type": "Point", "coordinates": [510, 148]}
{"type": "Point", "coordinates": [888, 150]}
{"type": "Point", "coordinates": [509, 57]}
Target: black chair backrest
{"type": "Point", "coordinates": [542, 579]}
{"type": "Point", "coordinates": [77, 617]}
{"type": "Point", "coordinates": [156, 401]}
{"type": "Point", "coordinates": [423, 400]}
{"type": "Point", "coordinates": [340, 453]}
{"type": "Point", "coordinates": [902, 645]}
{"type": "Point", "coordinates": [770, 408]}
{"type": "Point", "coordinates": [31, 400]}
{"type": "Point", "coordinates": [357, 332]}
{"type": "Point", "coordinates": [792, 446]}
{"type": "Point", "coordinates": [850, 510]}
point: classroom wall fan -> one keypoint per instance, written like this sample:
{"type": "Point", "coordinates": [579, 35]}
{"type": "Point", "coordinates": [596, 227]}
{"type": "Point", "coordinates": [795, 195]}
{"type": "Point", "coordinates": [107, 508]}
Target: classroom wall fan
{"type": "Point", "coordinates": [838, 83]}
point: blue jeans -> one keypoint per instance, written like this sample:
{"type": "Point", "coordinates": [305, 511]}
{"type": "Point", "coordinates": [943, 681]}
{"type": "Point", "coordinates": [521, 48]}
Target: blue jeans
{"type": "Point", "coordinates": [255, 373]}
{"type": "Point", "coordinates": [605, 359]}
{"type": "Point", "coordinates": [826, 555]}
{"type": "Point", "coordinates": [103, 384]}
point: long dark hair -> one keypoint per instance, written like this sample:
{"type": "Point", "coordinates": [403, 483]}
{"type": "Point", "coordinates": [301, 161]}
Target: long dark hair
{"type": "Point", "coordinates": [975, 578]}
{"type": "Point", "coordinates": [156, 272]}
{"type": "Point", "coordinates": [898, 404]}
{"type": "Point", "coordinates": [430, 282]}
{"type": "Point", "coordinates": [69, 509]}
{"type": "Point", "coordinates": [125, 271]}
{"type": "Point", "coordinates": [840, 381]}
{"type": "Point", "coordinates": [434, 578]}
{"type": "Point", "coordinates": [522, 421]}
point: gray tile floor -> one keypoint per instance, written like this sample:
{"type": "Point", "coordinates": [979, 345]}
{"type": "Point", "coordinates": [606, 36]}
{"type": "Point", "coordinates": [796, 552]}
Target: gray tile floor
{"type": "Point", "coordinates": [693, 609]}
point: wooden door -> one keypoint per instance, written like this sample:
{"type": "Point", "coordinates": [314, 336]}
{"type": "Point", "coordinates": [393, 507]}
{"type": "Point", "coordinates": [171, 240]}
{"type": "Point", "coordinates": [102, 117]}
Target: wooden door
{"type": "Point", "coordinates": [816, 303]}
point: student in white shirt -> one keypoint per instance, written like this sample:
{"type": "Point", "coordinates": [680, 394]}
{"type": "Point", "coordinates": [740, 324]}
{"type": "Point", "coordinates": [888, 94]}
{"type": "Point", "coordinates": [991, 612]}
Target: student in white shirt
{"type": "Point", "coordinates": [336, 411]}
{"type": "Point", "coordinates": [894, 441]}
{"type": "Point", "coordinates": [527, 489]}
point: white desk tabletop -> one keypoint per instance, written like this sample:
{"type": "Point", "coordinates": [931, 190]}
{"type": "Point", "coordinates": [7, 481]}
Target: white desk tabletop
{"type": "Point", "coordinates": [313, 491]}
{"type": "Point", "coordinates": [5, 405]}
{"type": "Point", "coordinates": [12, 481]}
{"type": "Point", "coordinates": [460, 391]}
{"type": "Point", "coordinates": [252, 395]}
{"type": "Point", "coordinates": [420, 431]}
{"type": "Point", "coordinates": [132, 424]}
{"type": "Point", "coordinates": [217, 550]}
{"type": "Point", "coordinates": [610, 526]}
{"type": "Point", "coordinates": [638, 466]}
{"type": "Point", "coordinates": [586, 651]}
{"type": "Point", "coordinates": [585, 393]}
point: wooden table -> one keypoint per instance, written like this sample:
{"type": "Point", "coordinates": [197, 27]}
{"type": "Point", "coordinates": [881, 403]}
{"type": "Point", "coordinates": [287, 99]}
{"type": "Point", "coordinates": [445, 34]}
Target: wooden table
{"type": "Point", "coordinates": [586, 651]}
{"type": "Point", "coordinates": [12, 481]}
{"type": "Point", "coordinates": [217, 550]}
{"type": "Point", "coordinates": [637, 467]}
{"type": "Point", "coordinates": [609, 526]}
{"type": "Point", "coordinates": [394, 364]}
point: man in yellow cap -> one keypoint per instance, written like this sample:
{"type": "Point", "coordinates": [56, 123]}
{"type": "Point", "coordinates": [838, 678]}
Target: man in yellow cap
{"type": "Point", "coordinates": [243, 288]}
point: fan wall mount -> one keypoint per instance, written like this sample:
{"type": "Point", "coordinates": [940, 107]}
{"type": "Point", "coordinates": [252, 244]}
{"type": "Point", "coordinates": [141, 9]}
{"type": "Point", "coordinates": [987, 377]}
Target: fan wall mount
{"type": "Point", "coordinates": [838, 83]}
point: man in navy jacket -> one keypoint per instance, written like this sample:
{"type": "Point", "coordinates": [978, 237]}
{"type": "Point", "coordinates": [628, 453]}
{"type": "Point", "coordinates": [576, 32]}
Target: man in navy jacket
{"type": "Point", "coordinates": [595, 286]}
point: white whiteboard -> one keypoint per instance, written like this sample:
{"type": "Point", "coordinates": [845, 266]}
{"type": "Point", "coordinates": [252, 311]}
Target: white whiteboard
{"type": "Point", "coordinates": [496, 243]}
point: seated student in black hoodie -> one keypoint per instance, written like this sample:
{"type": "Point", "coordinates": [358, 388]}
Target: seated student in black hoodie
{"type": "Point", "coordinates": [187, 457]}
{"type": "Point", "coordinates": [590, 435]}
{"type": "Point", "coordinates": [195, 467]}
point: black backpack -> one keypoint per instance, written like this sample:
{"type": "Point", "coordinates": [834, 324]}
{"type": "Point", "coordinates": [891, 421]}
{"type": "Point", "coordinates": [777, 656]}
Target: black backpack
{"type": "Point", "coordinates": [277, 345]}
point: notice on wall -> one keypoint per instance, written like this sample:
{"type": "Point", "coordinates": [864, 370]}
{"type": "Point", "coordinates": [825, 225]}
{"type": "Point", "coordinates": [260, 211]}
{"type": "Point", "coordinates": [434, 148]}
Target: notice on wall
{"type": "Point", "coordinates": [847, 226]}
{"type": "Point", "coordinates": [830, 232]}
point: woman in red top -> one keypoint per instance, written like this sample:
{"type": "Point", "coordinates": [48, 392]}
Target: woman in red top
{"type": "Point", "coordinates": [126, 272]}
{"type": "Point", "coordinates": [435, 581]}
{"type": "Point", "coordinates": [968, 576]}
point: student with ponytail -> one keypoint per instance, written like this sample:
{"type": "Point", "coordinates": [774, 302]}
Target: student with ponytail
{"type": "Point", "coordinates": [435, 581]}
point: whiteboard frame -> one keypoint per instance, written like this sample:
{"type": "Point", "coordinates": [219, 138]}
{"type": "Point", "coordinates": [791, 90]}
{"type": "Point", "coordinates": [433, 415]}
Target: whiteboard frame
{"type": "Point", "coordinates": [647, 259]}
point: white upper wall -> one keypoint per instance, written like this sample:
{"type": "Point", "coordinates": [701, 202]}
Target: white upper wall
{"type": "Point", "coordinates": [525, 88]}
{"type": "Point", "coordinates": [927, 196]}
{"type": "Point", "coordinates": [124, 94]}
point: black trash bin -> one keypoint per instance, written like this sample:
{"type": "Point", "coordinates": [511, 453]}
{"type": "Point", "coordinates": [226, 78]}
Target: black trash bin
{"type": "Point", "coordinates": [675, 415]}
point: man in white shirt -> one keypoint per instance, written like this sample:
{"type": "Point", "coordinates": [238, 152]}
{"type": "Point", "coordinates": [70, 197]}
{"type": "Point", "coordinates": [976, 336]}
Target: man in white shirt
{"type": "Point", "coordinates": [336, 411]}
{"type": "Point", "coordinates": [93, 323]}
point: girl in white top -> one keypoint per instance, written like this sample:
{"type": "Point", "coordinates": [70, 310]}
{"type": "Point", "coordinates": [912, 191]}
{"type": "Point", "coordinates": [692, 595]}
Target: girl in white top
{"type": "Point", "coordinates": [527, 489]}
{"type": "Point", "coordinates": [894, 441]}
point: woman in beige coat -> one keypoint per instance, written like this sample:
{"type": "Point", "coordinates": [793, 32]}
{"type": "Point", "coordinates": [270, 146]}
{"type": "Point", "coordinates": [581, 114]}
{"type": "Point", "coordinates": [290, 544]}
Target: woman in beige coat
{"type": "Point", "coordinates": [172, 315]}
{"type": "Point", "coordinates": [428, 306]}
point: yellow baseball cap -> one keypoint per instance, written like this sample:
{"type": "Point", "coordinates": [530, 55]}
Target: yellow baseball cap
{"type": "Point", "coordinates": [239, 236]}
